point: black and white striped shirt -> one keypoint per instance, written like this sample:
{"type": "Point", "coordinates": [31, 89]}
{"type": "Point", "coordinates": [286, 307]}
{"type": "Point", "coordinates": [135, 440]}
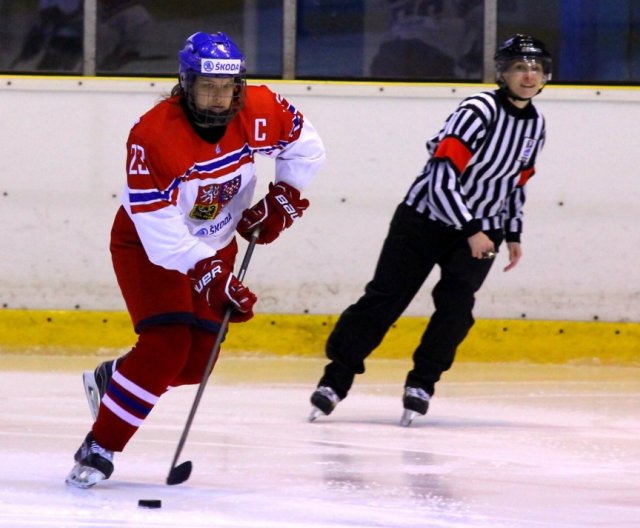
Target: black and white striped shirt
{"type": "Point", "coordinates": [480, 162]}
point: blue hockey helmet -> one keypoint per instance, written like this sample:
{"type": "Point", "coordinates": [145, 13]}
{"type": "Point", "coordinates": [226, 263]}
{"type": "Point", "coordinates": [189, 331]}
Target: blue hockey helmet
{"type": "Point", "coordinates": [212, 55]}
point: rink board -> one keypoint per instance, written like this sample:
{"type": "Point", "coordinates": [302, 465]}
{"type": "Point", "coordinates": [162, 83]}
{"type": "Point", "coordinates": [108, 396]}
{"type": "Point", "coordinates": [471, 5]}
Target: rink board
{"type": "Point", "coordinates": [82, 332]}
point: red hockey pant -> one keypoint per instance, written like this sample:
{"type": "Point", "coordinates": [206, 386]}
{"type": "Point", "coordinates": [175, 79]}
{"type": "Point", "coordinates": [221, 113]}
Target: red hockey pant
{"type": "Point", "coordinates": [176, 332]}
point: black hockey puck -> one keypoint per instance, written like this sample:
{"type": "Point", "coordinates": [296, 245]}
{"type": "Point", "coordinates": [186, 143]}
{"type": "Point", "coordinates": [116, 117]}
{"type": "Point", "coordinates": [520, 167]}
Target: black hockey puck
{"type": "Point", "coordinates": [150, 503]}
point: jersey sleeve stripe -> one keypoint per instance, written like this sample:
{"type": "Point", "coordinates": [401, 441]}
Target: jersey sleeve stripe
{"type": "Point", "coordinates": [296, 118]}
{"type": "Point", "coordinates": [454, 150]}
{"type": "Point", "coordinates": [525, 175]}
{"type": "Point", "coordinates": [136, 197]}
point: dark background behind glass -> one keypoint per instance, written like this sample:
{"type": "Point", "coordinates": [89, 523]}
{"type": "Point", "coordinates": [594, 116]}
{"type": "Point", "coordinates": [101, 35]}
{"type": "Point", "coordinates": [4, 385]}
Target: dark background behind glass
{"type": "Point", "coordinates": [592, 41]}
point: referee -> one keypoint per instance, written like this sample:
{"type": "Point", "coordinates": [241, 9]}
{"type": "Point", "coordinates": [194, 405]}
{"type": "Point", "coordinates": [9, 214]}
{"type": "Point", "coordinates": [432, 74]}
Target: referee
{"type": "Point", "coordinates": [465, 203]}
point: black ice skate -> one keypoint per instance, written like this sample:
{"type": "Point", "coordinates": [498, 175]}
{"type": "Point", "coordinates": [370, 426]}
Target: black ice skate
{"type": "Point", "coordinates": [415, 402]}
{"type": "Point", "coordinates": [324, 401]}
{"type": "Point", "coordinates": [93, 464]}
{"type": "Point", "coordinates": [96, 382]}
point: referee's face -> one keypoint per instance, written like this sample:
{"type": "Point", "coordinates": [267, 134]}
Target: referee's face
{"type": "Point", "coordinates": [525, 77]}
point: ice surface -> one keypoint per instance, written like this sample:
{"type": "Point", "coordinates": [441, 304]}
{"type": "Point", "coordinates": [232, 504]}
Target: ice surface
{"type": "Point", "coordinates": [502, 446]}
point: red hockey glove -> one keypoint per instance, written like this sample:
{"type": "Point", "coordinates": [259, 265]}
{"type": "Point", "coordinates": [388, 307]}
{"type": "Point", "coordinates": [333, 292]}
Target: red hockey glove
{"type": "Point", "coordinates": [274, 213]}
{"type": "Point", "coordinates": [215, 281]}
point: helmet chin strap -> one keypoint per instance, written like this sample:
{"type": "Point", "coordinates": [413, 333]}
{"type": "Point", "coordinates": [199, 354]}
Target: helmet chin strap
{"type": "Point", "coordinates": [513, 96]}
{"type": "Point", "coordinates": [503, 86]}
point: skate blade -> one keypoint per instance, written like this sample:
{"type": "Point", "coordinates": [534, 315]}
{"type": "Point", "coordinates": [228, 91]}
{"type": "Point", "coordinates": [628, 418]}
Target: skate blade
{"type": "Point", "coordinates": [84, 476]}
{"type": "Point", "coordinates": [407, 417]}
{"type": "Point", "coordinates": [315, 412]}
{"type": "Point", "coordinates": [92, 393]}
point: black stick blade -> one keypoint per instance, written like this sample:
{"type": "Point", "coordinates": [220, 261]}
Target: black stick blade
{"type": "Point", "coordinates": [180, 473]}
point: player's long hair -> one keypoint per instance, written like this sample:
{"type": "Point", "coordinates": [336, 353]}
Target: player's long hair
{"type": "Point", "coordinates": [176, 90]}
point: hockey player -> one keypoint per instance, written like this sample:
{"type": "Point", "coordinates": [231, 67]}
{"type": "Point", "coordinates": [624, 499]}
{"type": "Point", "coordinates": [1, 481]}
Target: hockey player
{"type": "Point", "coordinates": [467, 200]}
{"type": "Point", "coordinates": [190, 184]}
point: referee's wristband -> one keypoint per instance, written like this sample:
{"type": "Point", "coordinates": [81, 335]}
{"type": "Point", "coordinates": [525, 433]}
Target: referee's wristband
{"type": "Point", "coordinates": [472, 227]}
{"type": "Point", "coordinates": [512, 237]}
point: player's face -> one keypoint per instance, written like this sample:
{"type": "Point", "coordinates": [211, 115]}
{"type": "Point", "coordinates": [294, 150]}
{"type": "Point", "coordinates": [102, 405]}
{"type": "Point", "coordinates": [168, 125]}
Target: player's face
{"type": "Point", "coordinates": [525, 78]}
{"type": "Point", "coordinates": [213, 93]}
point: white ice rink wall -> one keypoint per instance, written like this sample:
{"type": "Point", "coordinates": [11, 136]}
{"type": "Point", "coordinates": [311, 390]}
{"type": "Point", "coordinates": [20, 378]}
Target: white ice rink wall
{"type": "Point", "coordinates": [62, 171]}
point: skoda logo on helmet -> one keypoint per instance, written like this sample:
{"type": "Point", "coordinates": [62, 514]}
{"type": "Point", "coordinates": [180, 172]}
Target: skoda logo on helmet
{"type": "Point", "coordinates": [220, 66]}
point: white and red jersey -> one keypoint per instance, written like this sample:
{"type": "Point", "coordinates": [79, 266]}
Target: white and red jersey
{"type": "Point", "coordinates": [186, 195]}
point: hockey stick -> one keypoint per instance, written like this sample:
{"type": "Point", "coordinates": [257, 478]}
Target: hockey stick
{"type": "Point", "coordinates": [178, 474]}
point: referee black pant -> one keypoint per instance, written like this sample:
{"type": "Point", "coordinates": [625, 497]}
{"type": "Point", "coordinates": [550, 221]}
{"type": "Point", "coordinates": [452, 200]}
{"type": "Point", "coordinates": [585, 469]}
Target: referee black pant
{"type": "Point", "coordinates": [414, 245]}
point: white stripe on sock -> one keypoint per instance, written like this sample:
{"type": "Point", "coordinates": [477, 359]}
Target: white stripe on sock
{"type": "Point", "coordinates": [135, 389]}
{"type": "Point", "coordinates": [120, 412]}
